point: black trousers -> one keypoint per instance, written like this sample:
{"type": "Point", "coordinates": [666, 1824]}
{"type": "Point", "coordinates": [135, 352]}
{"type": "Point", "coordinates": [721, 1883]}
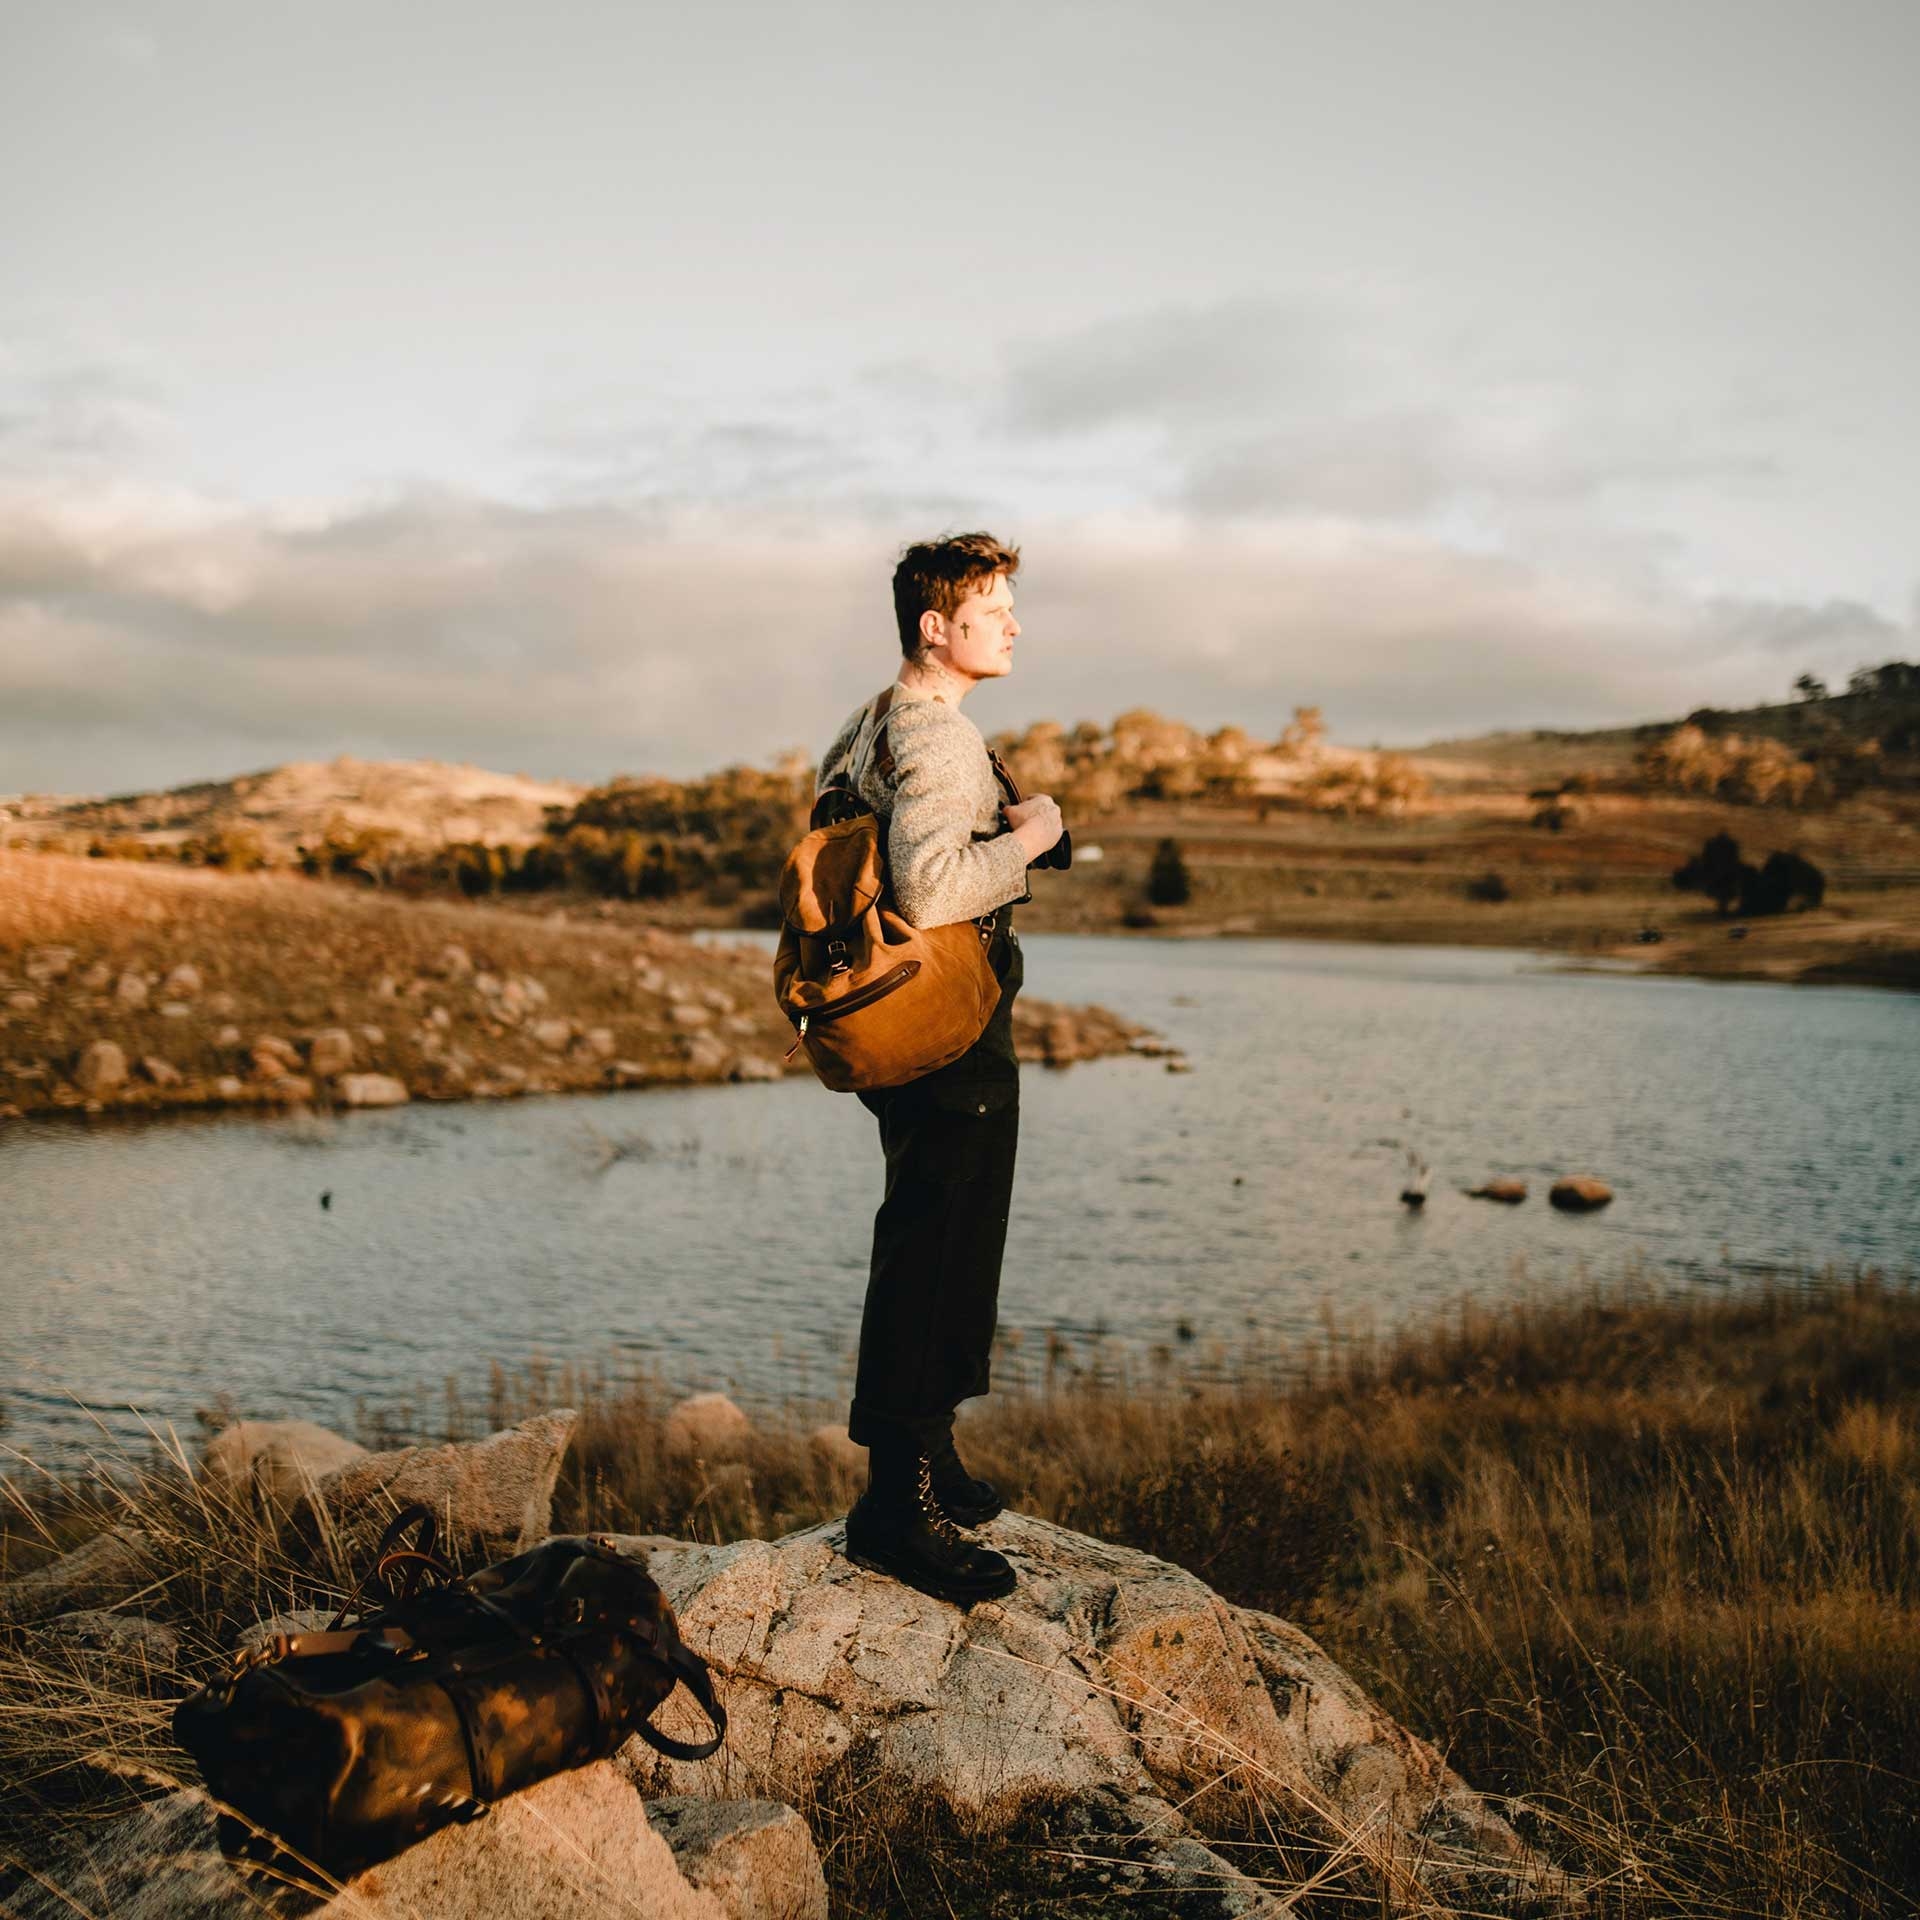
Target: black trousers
{"type": "Point", "coordinates": [933, 1289]}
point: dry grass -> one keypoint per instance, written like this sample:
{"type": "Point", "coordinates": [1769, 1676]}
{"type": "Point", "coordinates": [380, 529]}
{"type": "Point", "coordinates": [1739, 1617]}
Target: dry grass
{"type": "Point", "coordinates": [1649, 1565]}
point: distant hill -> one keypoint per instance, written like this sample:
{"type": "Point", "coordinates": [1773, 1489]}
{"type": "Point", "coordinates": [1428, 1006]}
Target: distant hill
{"type": "Point", "coordinates": [1880, 704]}
{"type": "Point", "coordinates": [420, 802]}
{"type": "Point", "coordinates": [380, 809]}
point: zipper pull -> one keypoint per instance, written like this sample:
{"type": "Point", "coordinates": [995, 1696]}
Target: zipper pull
{"type": "Point", "coordinates": [798, 1037]}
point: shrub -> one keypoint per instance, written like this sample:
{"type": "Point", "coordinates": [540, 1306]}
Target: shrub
{"type": "Point", "coordinates": [1490, 887]}
{"type": "Point", "coordinates": [1783, 880]}
{"type": "Point", "coordinates": [1694, 759]}
{"type": "Point", "coordinates": [1718, 871]}
{"type": "Point", "coordinates": [1168, 882]}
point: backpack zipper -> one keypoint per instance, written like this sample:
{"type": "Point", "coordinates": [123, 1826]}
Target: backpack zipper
{"type": "Point", "coordinates": [853, 1002]}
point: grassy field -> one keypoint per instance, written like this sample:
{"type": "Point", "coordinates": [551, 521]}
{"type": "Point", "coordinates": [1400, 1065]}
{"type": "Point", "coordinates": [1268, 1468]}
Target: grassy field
{"type": "Point", "coordinates": [1587, 891]}
{"type": "Point", "coordinates": [1649, 1564]}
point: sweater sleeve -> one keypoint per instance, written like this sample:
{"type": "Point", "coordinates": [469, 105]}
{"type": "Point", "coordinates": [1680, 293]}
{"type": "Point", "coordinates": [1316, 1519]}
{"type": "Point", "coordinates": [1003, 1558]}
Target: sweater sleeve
{"type": "Point", "coordinates": [940, 872]}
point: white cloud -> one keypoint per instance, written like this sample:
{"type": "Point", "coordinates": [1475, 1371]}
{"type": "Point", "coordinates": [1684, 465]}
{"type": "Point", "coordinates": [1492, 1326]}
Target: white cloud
{"type": "Point", "coordinates": [168, 639]}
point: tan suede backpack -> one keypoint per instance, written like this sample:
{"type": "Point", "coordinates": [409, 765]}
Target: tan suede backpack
{"type": "Point", "coordinates": [875, 1001]}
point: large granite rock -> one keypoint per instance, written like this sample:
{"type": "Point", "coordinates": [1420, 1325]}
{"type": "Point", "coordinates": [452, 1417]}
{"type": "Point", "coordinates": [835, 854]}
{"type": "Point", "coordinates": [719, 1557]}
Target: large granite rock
{"type": "Point", "coordinates": [1106, 1672]}
{"type": "Point", "coordinates": [494, 1497]}
{"type": "Point", "coordinates": [576, 1846]}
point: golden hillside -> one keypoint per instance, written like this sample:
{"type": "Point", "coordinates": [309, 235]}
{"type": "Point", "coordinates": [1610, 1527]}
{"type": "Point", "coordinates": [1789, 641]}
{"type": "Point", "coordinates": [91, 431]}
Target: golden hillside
{"type": "Point", "coordinates": [418, 802]}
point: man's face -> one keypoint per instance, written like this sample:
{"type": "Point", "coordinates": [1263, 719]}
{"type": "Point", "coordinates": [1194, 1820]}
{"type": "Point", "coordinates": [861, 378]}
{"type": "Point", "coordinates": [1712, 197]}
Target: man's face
{"type": "Point", "coordinates": [981, 633]}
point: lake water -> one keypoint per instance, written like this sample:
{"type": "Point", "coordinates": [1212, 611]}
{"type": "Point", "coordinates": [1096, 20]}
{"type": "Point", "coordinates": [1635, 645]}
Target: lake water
{"type": "Point", "coordinates": [718, 1236]}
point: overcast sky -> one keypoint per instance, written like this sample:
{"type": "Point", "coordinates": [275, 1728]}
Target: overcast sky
{"type": "Point", "coordinates": [553, 387]}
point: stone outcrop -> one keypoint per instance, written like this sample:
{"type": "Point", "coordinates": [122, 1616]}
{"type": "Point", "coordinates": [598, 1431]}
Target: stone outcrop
{"type": "Point", "coordinates": [576, 1846]}
{"type": "Point", "coordinates": [1112, 1693]}
{"type": "Point", "coordinates": [1059, 1035]}
{"type": "Point", "coordinates": [275, 1463]}
{"type": "Point", "coordinates": [493, 1497]}
{"type": "Point", "coordinates": [1106, 1672]}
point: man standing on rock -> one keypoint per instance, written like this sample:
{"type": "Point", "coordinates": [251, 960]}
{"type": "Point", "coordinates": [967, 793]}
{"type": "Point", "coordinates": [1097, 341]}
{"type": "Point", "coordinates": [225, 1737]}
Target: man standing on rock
{"type": "Point", "coordinates": [955, 852]}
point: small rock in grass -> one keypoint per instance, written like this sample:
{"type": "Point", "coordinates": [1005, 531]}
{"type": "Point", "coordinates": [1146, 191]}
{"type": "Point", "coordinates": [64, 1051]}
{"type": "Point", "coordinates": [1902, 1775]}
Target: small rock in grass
{"type": "Point", "coordinates": [708, 1426]}
{"type": "Point", "coordinates": [102, 1068]}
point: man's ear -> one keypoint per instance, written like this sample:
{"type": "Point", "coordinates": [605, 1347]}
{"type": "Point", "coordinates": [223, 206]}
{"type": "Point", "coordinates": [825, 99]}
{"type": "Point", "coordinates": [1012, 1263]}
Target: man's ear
{"type": "Point", "coordinates": [933, 629]}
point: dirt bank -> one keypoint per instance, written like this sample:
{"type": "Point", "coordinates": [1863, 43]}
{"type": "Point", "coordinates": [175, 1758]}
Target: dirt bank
{"type": "Point", "coordinates": [147, 987]}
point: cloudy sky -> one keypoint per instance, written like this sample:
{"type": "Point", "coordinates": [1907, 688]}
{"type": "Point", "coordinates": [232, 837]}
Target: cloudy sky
{"type": "Point", "coordinates": [553, 387]}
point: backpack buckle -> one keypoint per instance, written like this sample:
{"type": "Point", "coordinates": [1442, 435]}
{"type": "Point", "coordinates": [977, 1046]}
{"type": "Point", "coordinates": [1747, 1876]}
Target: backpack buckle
{"type": "Point", "coordinates": [837, 961]}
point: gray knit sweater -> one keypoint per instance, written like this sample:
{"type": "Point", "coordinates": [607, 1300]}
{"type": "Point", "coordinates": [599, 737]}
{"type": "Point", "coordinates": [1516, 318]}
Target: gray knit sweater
{"type": "Point", "coordinates": [950, 856]}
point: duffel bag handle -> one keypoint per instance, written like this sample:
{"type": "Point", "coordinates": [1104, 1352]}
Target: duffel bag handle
{"type": "Point", "coordinates": [421, 1555]}
{"type": "Point", "coordinates": [689, 1667]}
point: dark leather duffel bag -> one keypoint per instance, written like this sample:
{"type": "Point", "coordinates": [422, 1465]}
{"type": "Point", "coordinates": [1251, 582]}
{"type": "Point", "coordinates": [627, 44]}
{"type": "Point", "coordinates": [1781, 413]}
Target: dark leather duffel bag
{"type": "Point", "coordinates": [334, 1750]}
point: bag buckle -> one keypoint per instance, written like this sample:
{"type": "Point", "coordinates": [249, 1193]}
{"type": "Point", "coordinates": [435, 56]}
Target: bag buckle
{"type": "Point", "coordinates": [837, 961]}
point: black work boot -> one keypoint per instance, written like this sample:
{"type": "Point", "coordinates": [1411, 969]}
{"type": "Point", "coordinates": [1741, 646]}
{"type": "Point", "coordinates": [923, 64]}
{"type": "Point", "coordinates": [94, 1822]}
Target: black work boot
{"type": "Point", "coordinates": [897, 1527]}
{"type": "Point", "coordinates": [969, 1502]}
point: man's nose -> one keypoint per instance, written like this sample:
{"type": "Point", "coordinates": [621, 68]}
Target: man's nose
{"type": "Point", "coordinates": [1013, 628]}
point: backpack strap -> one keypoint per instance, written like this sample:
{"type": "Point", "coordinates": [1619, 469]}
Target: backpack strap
{"type": "Point", "coordinates": [879, 748]}
{"type": "Point", "coordinates": [841, 798]}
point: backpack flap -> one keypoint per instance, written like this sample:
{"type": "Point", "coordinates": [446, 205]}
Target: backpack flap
{"type": "Point", "coordinates": [832, 879]}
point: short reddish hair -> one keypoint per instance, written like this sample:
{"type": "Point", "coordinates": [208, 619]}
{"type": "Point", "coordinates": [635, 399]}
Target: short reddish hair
{"type": "Point", "coordinates": [934, 576]}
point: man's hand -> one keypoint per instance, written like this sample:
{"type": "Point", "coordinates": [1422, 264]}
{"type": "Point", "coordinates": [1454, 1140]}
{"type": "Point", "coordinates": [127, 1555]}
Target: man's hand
{"type": "Point", "coordinates": [1036, 824]}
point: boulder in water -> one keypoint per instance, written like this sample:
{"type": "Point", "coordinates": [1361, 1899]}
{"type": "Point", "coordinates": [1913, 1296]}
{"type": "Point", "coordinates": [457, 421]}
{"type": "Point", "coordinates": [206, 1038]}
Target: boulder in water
{"type": "Point", "coordinates": [1579, 1193]}
{"type": "Point", "coordinates": [1508, 1192]}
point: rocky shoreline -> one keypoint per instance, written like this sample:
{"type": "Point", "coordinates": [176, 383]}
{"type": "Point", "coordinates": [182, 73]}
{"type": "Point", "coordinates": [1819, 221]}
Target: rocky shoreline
{"type": "Point", "coordinates": [153, 991]}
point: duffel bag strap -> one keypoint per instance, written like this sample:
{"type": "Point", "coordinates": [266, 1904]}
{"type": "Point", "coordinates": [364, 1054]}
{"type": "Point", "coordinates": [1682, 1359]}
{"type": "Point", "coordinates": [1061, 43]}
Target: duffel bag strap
{"type": "Point", "coordinates": [390, 1638]}
{"type": "Point", "coordinates": [689, 1667]}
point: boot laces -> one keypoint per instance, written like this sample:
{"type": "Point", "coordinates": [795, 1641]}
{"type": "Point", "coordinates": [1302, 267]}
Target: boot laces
{"type": "Point", "coordinates": [936, 1515]}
